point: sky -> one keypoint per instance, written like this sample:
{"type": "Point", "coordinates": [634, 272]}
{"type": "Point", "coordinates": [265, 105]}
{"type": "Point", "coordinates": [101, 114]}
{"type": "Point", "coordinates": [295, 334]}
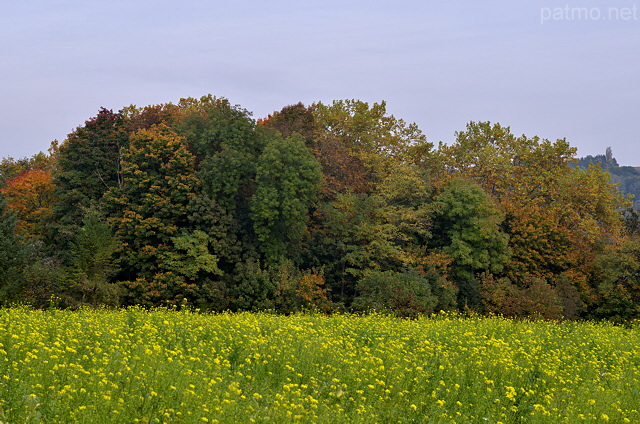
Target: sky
{"type": "Point", "coordinates": [556, 69]}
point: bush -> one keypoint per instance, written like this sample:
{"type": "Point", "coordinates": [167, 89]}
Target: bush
{"type": "Point", "coordinates": [406, 294]}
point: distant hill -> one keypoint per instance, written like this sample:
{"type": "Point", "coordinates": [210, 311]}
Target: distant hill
{"type": "Point", "coordinates": [627, 177]}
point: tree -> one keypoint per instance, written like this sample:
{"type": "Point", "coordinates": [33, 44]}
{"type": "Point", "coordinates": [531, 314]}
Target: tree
{"type": "Point", "coordinates": [293, 119]}
{"type": "Point", "coordinates": [626, 177]}
{"type": "Point", "coordinates": [210, 123]}
{"type": "Point", "coordinates": [356, 143]}
{"type": "Point", "coordinates": [287, 182]}
{"type": "Point", "coordinates": [92, 264]}
{"type": "Point", "coordinates": [557, 217]}
{"type": "Point", "coordinates": [206, 215]}
{"type": "Point", "coordinates": [355, 238]}
{"type": "Point", "coordinates": [609, 155]}
{"type": "Point", "coordinates": [536, 298]}
{"type": "Point", "coordinates": [226, 145]}
{"type": "Point", "coordinates": [616, 279]}
{"type": "Point", "coordinates": [161, 257]}
{"type": "Point", "coordinates": [11, 168]}
{"type": "Point", "coordinates": [298, 291]}
{"type": "Point", "coordinates": [31, 196]}
{"type": "Point", "coordinates": [407, 294]}
{"type": "Point", "coordinates": [89, 166]}
{"type": "Point", "coordinates": [466, 227]}
{"type": "Point", "coordinates": [12, 256]}
{"type": "Point", "coordinates": [506, 166]}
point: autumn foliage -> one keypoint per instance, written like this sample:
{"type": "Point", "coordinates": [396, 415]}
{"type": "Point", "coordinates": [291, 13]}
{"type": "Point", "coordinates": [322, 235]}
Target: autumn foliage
{"type": "Point", "coordinates": [337, 206]}
{"type": "Point", "coordinates": [31, 196]}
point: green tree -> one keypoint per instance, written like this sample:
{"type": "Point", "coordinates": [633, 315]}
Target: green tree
{"type": "Point", "coordinates": [206, 215]}
{"type": "Point", "coordinates": [355, 238]}
{"type": "Point", "coordinates": [252, 287]}
{"type": "Point", "coordinates": [92, 264]}
{"type": "Point", "coordinates": [226, 145]}
{"type": "Point", "coordinates": [466, 226]}
{"type": "Point", "coordinates": [89, 165]}
{"type": "Point", "coordinates": [12, 256]}
{"type": "Point", "coordinates": [616, 279]}
{"type": "Point", "coordinates": [287, 180]}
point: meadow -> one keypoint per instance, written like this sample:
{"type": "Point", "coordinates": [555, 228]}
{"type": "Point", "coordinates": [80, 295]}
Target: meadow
{"type": "Point", "coordinates": [165, 366]}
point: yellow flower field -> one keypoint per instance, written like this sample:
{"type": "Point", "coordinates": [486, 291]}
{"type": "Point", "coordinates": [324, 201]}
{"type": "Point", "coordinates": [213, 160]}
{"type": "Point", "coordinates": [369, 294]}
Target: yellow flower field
{"type": "Point", "coordinates": [128, 366]}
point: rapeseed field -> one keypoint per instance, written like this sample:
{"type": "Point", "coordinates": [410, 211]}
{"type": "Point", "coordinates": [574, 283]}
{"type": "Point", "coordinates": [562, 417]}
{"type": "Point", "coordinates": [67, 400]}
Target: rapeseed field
{"type": "Point", "coordinates": [165, 366]}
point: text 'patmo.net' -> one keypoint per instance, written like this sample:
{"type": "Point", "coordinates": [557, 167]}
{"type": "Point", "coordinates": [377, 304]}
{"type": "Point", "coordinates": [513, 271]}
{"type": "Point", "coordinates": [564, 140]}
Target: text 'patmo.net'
{"type": "Point", "coordinates": [569, 13]}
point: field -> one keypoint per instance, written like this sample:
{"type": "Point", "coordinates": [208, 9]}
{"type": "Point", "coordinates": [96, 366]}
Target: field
{"type": "Point", "coordinates": [164, 366]}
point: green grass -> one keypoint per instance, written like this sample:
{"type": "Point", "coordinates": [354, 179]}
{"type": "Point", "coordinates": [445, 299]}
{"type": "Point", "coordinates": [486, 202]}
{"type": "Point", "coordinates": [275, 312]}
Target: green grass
{"type": "Point", "coordinates": [163, 366]}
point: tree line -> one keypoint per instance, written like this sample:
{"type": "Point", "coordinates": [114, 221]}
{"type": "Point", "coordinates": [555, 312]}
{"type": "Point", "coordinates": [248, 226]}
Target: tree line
{"type": "Point", "coordinates": [332, 207]}
{"type": "Point", "coordinates": [626, 177]}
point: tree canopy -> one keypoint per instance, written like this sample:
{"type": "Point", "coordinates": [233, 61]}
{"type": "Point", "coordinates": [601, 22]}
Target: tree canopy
{"type": "Point", "coordinates": [338, 206]}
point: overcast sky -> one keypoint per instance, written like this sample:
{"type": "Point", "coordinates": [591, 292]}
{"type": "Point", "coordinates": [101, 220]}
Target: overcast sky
{"type": "Point", "coordinates": [551, 68]}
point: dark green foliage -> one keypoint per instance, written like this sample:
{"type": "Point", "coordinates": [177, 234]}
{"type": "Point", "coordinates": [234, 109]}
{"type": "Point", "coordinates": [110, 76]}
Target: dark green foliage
{"type": "Point", "coordinates": [225, 145]}
{"type": "Point", "coordinates": [407, 294]}
{"type": "Point", "coordinates": [209, 123]}
{"type": "Point", "coordinates": [92, 267]}
{"type": "Point", "coordinates": [466, 226]}
{"type": "Point", "coordinates": [252, 287]}
{"type": "Point", "coordinates": [362, 234]}
{"type": "Point", "coordinates": [287, 182]}
{"type": "Point", "coordinates": [204, 214]}
{"type": "Point", "coordinates": [43, 277]}
{"type": "Point", "coordinates": [632, 222]}
{"type": "Point", "coordinates": [89, 166]}
{"type": "Point", "coordinates": [12, 256]}
{"type": "Point", "coordinates": [29, 271]}
{"type": "Point", "coordinates": [355, 238]}
{"type": "Point", "coordinates": [617, 281]}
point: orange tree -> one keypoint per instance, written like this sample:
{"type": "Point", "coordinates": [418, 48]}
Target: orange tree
{"type": "Point", "coordinates": [31, 196]}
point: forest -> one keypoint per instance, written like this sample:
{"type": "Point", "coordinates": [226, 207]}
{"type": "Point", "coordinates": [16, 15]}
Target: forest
{"type": "Point", "coordinates": [326, 207]}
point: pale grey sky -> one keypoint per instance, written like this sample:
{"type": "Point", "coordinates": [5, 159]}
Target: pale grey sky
{"type": "Point", "coordinates": [548, 68]}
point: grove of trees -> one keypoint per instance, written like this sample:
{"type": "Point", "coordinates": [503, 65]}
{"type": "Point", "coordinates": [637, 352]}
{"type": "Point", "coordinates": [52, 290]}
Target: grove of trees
{"type": "Point", "coordinates": [332, 207]}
